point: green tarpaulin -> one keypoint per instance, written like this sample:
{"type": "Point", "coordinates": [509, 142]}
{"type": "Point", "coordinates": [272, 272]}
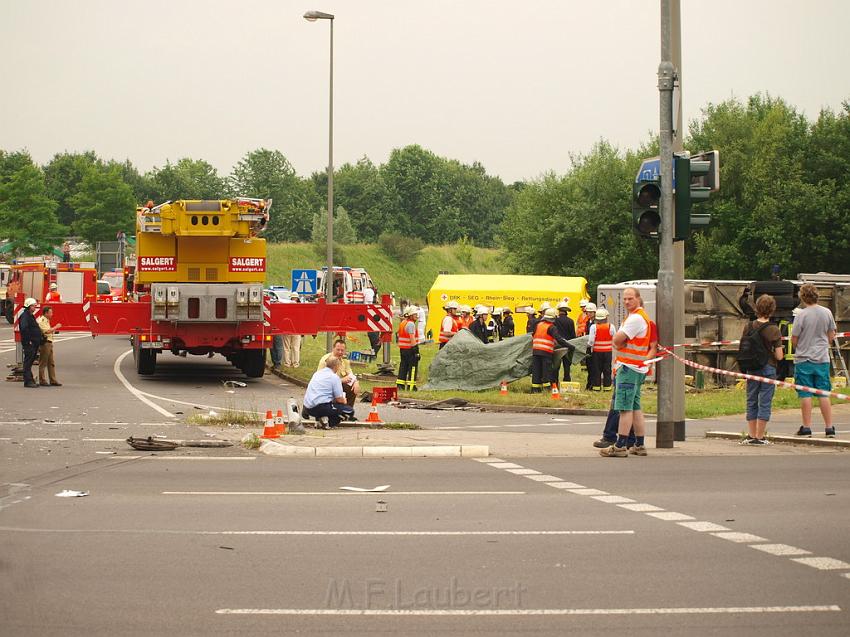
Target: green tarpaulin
{"type": "Point", "coordinates": [465, 363]}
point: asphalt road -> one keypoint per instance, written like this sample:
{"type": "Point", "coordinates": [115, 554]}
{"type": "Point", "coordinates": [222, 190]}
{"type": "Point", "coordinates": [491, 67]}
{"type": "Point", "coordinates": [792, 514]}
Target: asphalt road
{"type": "Point", "coordinates": [220, 541]}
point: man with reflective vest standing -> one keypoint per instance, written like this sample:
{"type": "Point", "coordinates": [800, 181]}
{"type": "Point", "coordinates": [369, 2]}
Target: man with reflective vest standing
{"type": "Point", "coordinates": [53, 295]}
{"type": "Point", "coordinates": [600, 341]}
{"type": "Point", "coordinates": [633, 344]}
{"type": "Point", "coordinates": [408, 345]}
{"type": "Point", "coordinates": [450, 324]}
{"type": "Point", "coordinates": [546, 337]}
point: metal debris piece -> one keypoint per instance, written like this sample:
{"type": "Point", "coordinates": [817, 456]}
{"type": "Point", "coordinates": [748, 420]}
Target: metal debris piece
{"type": "Point", "coordinates": [381, 506]}
{"type": "Point", "coordinates": [235, 383]}
{"type": "Point", "coordinates": [68, 493]}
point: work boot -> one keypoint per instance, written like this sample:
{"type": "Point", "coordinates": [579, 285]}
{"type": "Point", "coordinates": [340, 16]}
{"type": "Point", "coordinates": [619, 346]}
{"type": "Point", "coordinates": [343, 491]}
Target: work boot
{"type": "Point", "coordinates": [638, 450]}
{"type": "Point", "coordinates": [603, 442]}
{"type": "Point", "coordinates": [32, 384]}
{"type": "Point", "coordinates": [614, 452]}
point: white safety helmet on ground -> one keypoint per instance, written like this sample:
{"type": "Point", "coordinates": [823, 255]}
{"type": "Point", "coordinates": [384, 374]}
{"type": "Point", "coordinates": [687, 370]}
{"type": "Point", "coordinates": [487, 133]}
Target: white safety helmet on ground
{"type": "Point", "coordinates": [602, 313]}
{"type": "Point", "coordinates": [451, 305]}
{"type": "Point", "coordinates": [30, 301]}
{"type": "Point", "coordinates": [550, 314]}
{"type": "Point", "coordinates": [590, 307]}
{"type": "Point", "coordinates": [53, 286]}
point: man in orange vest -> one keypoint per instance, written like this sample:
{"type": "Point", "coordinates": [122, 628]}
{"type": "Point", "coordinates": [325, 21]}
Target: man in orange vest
{"type": "Point", "coordinates": [53, 295]}
{"type": "Point", "coordinates": [600, 341]}
{"type": "Point", "coordinates": [581, 325]}
{"type": "Point", "coordinates": [408, 345]}
{"type": "Point", "coordinates": [546, 336]}
{"type": "Point", "coordinates": [450, 324]}
{"type": "Point", "coordinates": [633, 343]}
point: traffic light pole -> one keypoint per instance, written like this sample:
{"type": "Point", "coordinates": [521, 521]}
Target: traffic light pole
{"type": "Point", "coordinates": [678, 246]}
{"type": "Point", "coordinates": [664, 292]}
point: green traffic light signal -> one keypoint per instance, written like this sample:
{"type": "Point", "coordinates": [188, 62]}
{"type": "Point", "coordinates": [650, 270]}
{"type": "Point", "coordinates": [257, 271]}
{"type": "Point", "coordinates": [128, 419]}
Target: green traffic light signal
{"type": "Point", "coordinates": [695, 179]}
{"type": "Point", "coordinates": [646, 195]}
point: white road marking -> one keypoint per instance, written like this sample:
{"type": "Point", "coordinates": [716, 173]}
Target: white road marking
{"type": "Point", "coordinates": [57, 340]}
{"type": "Point", "coordinates": [192, 457]}
{"type": "Point", "coordinates": [641, 507]}
{"type": "Point", "coordinates": [156, 424]}
{"type": "Point", "coordinates": [104, 439]}
{"type": "Point", "coordinates": [18, 422]}
{"type": "Point", "coordinates": [317, 533]}
{"type": "Point", "coordinates": [612, 499]}
{"type": "Point", "coordinates": [670, 516]}
{"type": "Point", "coordinates": [137, 393]}
{"type": "Point", "coordinates": [543, 478]}
{"type": "Point", "coordinates": [510, 612]}
{"type": "Point", "coordinates": [565, 485]}
{"type": "Point", "coordinates": [488, 460]}
{"type": "Point", "coordinates": [780, 549]}
{"type": "Point", "coordinates": [109, 423]}
{"type": "Point", "coordinates": [822, 563]}
{"type": "Point", "coordinates": [46, 439]}
{"type": "Point", "coordinates": [703, 527]}
{"type": "Point", "coordinates": [588, 492]}
{"type": "Point", "coordinates": [740, 538]}
{"type": "Point", "coordinates": [506, 465]}
{"type": "Point", "coordinates": [523, 472]}
{"type": "Point", "coordinates": [343, 493]}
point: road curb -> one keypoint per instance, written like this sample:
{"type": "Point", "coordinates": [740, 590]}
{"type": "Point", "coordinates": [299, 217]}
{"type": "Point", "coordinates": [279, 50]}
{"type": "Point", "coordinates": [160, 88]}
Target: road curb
{"type": "Point", "coordinates": [272, 448]}
{"type": "Point", "coordinates": [798, 440]}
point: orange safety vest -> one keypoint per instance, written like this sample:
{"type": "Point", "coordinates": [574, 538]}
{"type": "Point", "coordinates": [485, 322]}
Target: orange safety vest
{"type": "Point", "coordinates": [542, 341]}
{"type": "Point", "coordinates": [581, 328]}
{"type": "Point", "coordinates": [636, 350]}
{"type": "Point", "coordinates": [405, 340]}
{"type": "Point", "coordinates": [445, 336]}
{"type": "Point", "coordinates": [53, 297]}
{"type": "Point", "coordinates": [604, 341]}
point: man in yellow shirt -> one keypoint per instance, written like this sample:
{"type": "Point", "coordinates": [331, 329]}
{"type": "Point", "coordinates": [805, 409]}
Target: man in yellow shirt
{"type": "Point", "coordinates": [349, 381]}
{"type": "Point", "coordinates": [45, 351]}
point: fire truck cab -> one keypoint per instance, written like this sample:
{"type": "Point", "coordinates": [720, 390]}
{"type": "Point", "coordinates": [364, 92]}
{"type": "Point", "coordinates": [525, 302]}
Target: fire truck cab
{"type": "Point", "coordinates": [32, 276]}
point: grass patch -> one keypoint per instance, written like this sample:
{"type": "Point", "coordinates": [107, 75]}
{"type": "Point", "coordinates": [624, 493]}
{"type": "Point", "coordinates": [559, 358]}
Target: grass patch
{"type": "Point", "coordinates": [708, 403]}
{"type": "Point", "coordinates": [411, 279]}
{"type": "Point", "coordinates": [400, 425]}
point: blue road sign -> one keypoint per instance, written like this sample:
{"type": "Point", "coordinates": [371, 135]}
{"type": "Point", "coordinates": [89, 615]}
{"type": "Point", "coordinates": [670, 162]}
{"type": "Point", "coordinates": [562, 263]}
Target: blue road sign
{"type": "Point", "coordinates": [305, 281]}
{"type": "Point", "coordinates": [650, 170]}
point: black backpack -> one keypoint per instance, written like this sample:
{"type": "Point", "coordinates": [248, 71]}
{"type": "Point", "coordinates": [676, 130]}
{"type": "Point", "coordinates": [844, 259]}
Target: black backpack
{"type": "Point", "coordinates": [752, 354]}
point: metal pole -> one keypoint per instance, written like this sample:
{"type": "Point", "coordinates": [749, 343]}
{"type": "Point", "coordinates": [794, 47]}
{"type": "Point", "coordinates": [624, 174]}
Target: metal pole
{"type": "Point", "coordinates": [664, 290]}
{"type": "Point", "coordinates": [679, 246]}
{"type": "Point", "coordinates": [330, 277]}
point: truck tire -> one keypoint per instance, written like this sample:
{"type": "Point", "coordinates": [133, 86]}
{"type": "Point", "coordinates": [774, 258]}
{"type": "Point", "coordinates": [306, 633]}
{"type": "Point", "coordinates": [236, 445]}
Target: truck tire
{"type": "Point", "coordinates": [145, 360]}
{"type": "Point", "coordinates": [774, 288]}
{"type": "Point", "coordinates": [254, 363]}
{"type": "Point", "coordinates": [787, 302]}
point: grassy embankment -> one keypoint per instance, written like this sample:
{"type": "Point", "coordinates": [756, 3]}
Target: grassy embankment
{"type": "Point", "coordinates": [413, 280]}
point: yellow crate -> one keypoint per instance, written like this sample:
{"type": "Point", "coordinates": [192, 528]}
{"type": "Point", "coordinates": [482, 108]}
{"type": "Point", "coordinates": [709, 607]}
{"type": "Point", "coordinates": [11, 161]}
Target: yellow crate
{"type": "Point", "coordinates": [839, 381]}
{"type": "Point", "coordinates": [570, 386]}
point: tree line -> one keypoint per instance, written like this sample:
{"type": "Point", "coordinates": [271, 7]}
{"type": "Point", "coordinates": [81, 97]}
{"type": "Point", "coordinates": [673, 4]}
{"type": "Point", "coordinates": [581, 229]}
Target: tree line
{"type": "Point", "coordinates": [784, 199]}
{"type": "Point", "coordinates": [415, 194]}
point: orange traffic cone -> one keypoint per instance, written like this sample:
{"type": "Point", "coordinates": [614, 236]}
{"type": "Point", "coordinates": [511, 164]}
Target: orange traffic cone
{"type": "Point", "coordinates": [556, 393]}
{"type": "Point", "coordinates": [373, 413]}
{"type": "Point", "coordinates": [280, 422]}
{"type": "Point", "coordinates": [503, 389]}
{"type": "Point", "coordinates": [269, 430]}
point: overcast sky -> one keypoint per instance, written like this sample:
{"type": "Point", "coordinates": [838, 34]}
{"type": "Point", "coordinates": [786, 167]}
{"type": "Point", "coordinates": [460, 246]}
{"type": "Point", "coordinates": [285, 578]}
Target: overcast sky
{"type": "Point", "coordinates": [516, 85]}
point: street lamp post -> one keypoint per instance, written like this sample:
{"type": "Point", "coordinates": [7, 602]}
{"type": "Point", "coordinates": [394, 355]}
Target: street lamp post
{"type": "Point", "coordinates": [312, 16]}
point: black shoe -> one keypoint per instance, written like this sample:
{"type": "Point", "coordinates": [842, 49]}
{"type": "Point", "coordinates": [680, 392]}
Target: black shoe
{"type": "Point", "coordinates": [603, 442]}
{"type": "Point", "coordinates": [56, 384]}
{"type": "Point", "coordinates": [804, 431]}
{"type": "Point", "coordinates": [30, 384]}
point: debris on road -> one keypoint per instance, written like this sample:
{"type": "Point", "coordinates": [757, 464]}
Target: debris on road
{"type": "Point", "coordinates": [380, 506]}
{"type": "Point", "coordinates": [68, 493]}
{"type": "Point", "coordinates": [449, 404]}
{"type": "Point", "coordinates": [158, 444]}
{"type": "Point", "coordinates": [234, 383]}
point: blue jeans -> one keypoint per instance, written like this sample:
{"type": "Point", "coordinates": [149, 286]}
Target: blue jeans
{"type": "Point", "coordinates": [612, 424]}
{"type": "Point", "coordinates": [760, 395]}
{"type": "Point", "coordinates": [276, 350]}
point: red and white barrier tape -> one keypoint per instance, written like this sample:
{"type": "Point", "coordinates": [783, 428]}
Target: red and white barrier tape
{"type": "Point", "coordinates": [772, 381]}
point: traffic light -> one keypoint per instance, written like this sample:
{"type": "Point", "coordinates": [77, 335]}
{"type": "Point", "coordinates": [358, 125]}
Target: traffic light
{"type": "Point", "coordinates": [695, 178]}
{"type": "Point", "coordinates": [646, 195]}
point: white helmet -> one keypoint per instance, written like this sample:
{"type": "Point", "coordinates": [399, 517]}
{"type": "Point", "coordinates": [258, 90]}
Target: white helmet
{"type": "Point", "coordinates": [410, 309]}
{"type": "Point", "coordinates": [590, 307]}
{"type": "Point", "coordinates": [550, 314]}
{"type": "Point", "coordinates": [602, 313]}
{"type": "Point", "coordinates": [451, 305]}
{"type": "Point", "coordinates": [529, 309]}
{"type": "Point", "coordinates": [545, 306]}
{"type": "Point", "coordinates": [465, 309]}
{"type": "Point", "coordinates": [482, 309]}
{"type": "Point", "coordinates": [29, 302]}
{"type": "Point", "coordinates": [563, 305]}
{"type": "Point", "coordinates": [582, 303]}
{"type": "Point", "coordinates": [497, 311]}
{"type": "Point", "coordinates": [53, 286]}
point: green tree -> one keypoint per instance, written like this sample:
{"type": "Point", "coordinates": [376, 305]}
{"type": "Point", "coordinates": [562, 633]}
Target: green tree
{"type": "Point", "coordinates": [267, 173]}
{"type": "Point", "coordinates": [12, 162]}
{"type": "Point", "coordinates": [187, 179]}
{"type": "Point", "coordinates": [344, 233]}
{"type": "Point", "coordinates": [27, 214]}
{"type": "Point", "coordinates": [104, 205]}
{"type": "Point", "coordinates": [63, 175]}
